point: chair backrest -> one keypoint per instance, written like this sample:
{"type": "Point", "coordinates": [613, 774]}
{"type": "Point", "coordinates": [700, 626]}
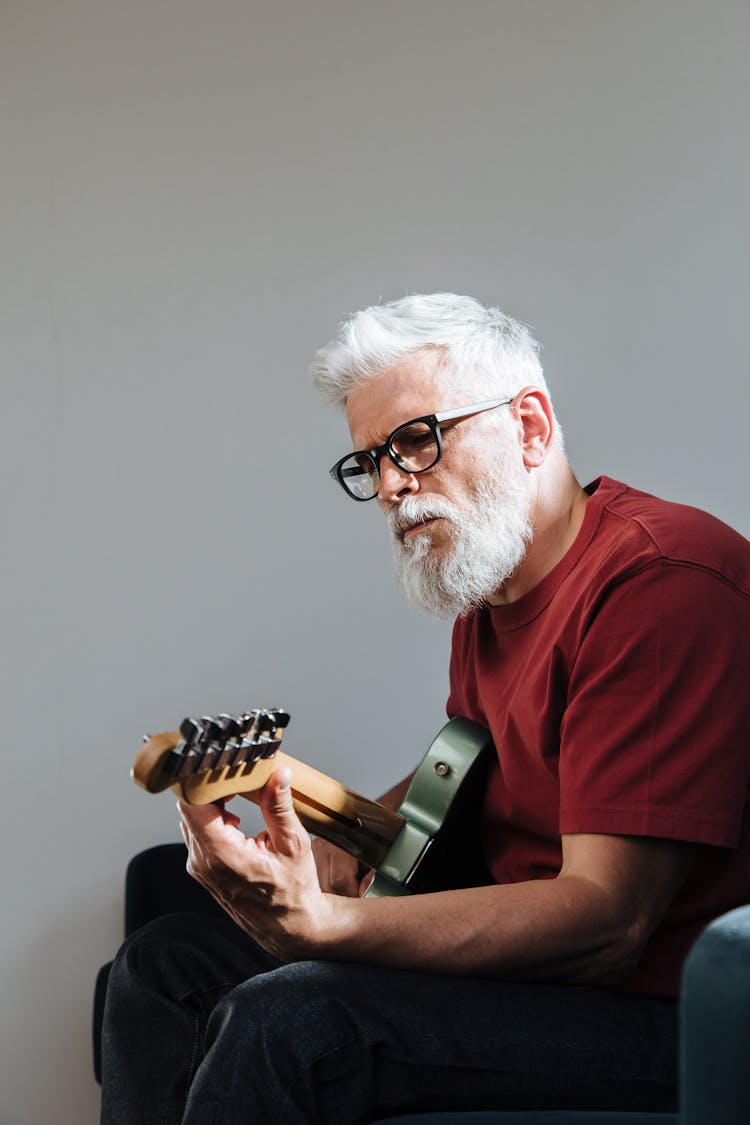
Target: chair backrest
{"type": "Point", "coordinates": [156, 883]}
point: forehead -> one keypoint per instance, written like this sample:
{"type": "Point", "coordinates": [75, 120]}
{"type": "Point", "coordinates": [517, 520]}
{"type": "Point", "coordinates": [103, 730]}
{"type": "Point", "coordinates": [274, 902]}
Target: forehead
{"type": "Point", "coordinates": [417, 385]}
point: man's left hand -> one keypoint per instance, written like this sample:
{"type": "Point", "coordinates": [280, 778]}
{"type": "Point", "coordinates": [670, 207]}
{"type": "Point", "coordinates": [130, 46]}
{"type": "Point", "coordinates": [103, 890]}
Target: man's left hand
{"type": "Point", "coordinates": [268, 883]}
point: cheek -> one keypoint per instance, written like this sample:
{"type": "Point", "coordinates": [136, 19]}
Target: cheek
{"type": "Point", "coordinates": [447, 481]}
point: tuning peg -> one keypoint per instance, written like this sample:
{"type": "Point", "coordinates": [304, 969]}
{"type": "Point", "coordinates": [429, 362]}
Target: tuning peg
{"type": "Point", "coordinates": [206, 746]}
{"type": "Point", "coordinates": [182, 759]}
{"type": "Point", "coordinates": [191, 730]}
{"type": "Point", "coordinates": [211, 729]}
{"type": "Point", "coordinates": [265, 725]}
{"type": "Point", "coordinates": [230, 753]}
{"type": "Point", "coordinates": [230, 726]}
{"type": "Point", "coordinates": [247, 721]}
{"type": "Point", "coordinates": [264, 721]}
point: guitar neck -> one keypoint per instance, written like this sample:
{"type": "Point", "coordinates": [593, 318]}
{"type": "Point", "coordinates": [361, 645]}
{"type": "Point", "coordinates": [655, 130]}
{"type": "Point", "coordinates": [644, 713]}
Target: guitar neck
{"type": "Point", "coordinates": [201, 770]}
{"type": "Point", "coordinates": [326, 808]}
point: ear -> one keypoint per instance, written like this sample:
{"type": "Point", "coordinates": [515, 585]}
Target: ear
{"type": "Point", "coordinates": [533, 410]}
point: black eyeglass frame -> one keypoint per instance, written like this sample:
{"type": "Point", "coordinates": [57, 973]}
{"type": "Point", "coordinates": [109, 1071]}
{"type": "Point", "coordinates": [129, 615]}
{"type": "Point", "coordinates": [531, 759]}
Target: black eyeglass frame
{"type": "Point", "coordinates": [434, 422]}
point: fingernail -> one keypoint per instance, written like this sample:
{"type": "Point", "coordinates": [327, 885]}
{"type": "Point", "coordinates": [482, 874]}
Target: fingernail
{"type": "Point", "coordinates": [285, 777]}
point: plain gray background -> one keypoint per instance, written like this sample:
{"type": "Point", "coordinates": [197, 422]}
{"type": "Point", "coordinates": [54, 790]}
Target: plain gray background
{"type": "Point", "coordinates": [193, 195]}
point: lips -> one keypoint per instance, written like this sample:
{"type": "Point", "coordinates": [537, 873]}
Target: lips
{"type": "Point", "coordinates": [413, 528]}
{"type": "Point", "coordinates": [414, 515]}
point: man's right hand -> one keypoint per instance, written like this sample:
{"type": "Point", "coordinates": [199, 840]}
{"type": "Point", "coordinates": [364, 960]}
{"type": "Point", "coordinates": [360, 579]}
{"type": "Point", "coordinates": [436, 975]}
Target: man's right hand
{"type": "Point", "coordinates": [338, 872]}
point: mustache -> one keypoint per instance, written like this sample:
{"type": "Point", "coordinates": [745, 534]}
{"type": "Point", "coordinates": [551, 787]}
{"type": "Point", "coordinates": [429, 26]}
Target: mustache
{"type": "Point", "coordinates": [417, 509]}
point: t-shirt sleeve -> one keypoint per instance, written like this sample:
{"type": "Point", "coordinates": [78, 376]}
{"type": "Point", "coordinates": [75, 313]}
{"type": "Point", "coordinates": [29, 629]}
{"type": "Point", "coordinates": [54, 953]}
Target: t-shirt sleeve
{"type": "Point", "coordinates": [655, 738]}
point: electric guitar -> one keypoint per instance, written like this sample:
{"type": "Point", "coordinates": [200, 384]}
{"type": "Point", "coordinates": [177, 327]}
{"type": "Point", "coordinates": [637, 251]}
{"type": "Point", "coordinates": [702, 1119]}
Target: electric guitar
{"type": "Point", "coordinates": [430, 843]}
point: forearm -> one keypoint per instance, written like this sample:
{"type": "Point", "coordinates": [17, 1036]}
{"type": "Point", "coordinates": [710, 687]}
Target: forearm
{"type": "Point", "coordinates": [588, 924]}
{"type": "Point", "coordinates": [564, 929]}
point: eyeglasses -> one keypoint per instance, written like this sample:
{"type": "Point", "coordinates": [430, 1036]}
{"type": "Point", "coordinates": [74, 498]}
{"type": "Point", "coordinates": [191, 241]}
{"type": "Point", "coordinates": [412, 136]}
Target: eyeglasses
{"type": "Point", "coordinates": [413, 447]}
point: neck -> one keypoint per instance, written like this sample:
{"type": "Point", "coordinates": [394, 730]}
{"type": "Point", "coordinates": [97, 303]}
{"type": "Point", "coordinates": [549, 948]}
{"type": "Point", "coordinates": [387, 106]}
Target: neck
{"type": "Point", "coordinates": [558, 508]}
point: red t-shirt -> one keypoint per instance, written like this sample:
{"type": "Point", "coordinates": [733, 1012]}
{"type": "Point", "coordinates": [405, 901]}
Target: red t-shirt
{"type": "Point", "coordinates": [617, 692]}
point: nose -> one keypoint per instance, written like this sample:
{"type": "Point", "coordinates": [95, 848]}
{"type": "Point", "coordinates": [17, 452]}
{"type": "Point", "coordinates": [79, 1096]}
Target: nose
{"type": "Point", "coordinates": [395, 483]}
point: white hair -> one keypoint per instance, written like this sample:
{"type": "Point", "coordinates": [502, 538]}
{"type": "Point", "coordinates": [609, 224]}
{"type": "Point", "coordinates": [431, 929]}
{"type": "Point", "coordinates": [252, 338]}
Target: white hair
{"type": "Point", "coordinates": [487, 355]}
{"type": "Point", "coordinates": [485, 349]}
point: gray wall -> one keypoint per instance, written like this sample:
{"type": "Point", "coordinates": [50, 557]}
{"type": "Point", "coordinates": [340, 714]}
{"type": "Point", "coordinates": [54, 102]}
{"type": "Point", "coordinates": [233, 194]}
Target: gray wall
{"type": "Point", "coordinates": [193, 194]}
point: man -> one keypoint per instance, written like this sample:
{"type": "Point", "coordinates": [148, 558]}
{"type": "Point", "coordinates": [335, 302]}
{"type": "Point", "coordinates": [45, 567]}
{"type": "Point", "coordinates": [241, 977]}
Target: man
{"type": "Point", "coordinates": [601, 636]}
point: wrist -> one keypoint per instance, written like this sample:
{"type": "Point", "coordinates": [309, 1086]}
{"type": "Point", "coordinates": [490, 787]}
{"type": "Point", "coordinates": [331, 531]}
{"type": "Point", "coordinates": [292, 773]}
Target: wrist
{"type": "Point", "coordinates": [331, 929]}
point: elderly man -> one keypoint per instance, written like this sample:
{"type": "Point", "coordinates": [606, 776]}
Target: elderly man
{"type": "Point", "coordinates": [601, 637]}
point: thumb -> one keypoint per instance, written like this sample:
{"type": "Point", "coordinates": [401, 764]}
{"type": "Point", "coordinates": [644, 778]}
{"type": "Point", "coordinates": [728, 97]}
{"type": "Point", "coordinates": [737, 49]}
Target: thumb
{"type": "Point", "coordinates": [284, 828]}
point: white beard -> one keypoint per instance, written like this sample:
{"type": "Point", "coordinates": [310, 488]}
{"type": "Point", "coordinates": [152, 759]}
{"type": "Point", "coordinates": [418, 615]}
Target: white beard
{"type": "Point", "coordinates": [487, 544]}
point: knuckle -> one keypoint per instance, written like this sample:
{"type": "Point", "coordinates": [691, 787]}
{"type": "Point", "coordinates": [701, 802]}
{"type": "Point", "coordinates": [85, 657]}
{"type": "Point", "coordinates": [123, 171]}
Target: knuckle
{"type": "Point", "coordinates": [296, 846]}
{"type": "Point", "coordinates": [203, 867]}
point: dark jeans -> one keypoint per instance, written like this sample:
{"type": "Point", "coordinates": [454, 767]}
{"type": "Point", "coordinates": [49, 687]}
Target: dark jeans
{"type": "Point", "coordinates": [202, 1027]}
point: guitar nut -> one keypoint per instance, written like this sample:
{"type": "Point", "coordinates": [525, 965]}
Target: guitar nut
{"type": "Point", "coordinates": [442, 769]}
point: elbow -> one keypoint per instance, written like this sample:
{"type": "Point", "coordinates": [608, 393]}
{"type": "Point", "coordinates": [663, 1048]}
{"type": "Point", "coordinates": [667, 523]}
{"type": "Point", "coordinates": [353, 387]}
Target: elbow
{"type": "Point", "coordinates": [617, 955]}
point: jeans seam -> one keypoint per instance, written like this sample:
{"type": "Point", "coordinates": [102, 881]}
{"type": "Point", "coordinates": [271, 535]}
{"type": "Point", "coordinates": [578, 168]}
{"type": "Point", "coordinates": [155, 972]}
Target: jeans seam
{"type": "Point", "coordinates": [205, 991]}
{"type": "Point", "coordinates": [196, 1029]}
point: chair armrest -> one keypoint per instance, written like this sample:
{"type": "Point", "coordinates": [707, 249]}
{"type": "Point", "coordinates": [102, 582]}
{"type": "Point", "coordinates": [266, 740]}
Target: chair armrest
{"type": "Point", "coordinates": [715, 1024]}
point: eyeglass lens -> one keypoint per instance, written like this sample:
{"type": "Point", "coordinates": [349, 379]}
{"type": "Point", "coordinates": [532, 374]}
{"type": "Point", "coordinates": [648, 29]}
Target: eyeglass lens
{"type": "Point", "coordinates": [413, 447]}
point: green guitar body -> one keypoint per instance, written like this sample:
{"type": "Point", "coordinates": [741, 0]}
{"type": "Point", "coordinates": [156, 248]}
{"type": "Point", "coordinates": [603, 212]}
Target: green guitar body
{"type": "Point", "coordinates": [438, 846]}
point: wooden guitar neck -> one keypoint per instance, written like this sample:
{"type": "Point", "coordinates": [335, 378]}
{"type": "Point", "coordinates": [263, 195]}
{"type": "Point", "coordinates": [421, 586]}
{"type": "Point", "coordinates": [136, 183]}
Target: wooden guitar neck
{"type": "Point", "coordinates": [326, 808]}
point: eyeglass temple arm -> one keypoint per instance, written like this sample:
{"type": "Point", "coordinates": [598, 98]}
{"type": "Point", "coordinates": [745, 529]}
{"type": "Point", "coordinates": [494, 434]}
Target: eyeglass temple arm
{"type": "Point", "coordinates": [477, 408]}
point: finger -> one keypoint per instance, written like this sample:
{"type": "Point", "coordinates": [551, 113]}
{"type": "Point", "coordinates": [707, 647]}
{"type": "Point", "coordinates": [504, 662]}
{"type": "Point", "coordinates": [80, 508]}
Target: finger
{"type": "Point", "coordinates": [343, 875]}
{"type": "Point", "coordinates": [365, 883]}
{"type": "Point", "coordinates": [231, 818]}
{"type": "Point", "coordinates": [338, 872]}
{"type": "Point", "coordinates": [212, 829]}
{"type": "Point", "coordinates": [285, 832]}
{"type": "Point", "coordinates": [203, 815]}
{"type": "Point", "coordinates": [196, 817]}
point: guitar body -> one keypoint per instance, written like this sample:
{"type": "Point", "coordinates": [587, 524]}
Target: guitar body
{"type": "Point", "coordinates": [431, 843]}
{"type": "Point", "coordinates": [438, 846]}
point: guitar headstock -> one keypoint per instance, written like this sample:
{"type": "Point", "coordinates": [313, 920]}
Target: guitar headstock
{"type": "Point", "coordinates": [212, 757]}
